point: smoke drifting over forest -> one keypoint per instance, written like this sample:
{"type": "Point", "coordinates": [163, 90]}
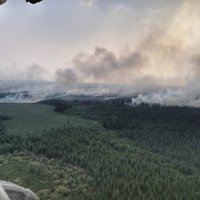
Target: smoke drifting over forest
{"type": "Point", "coordinates": [165, 57]}
{"type": "Point", "coordinates": [164, 66]}
{"type": "Point", "coordinates": [168, 55]}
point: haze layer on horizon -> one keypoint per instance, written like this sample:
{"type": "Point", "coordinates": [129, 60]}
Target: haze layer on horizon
{"type": "Point", "coordinates": [86, 41]}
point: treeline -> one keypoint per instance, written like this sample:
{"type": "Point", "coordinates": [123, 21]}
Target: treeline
{"type": "Point", "coordinates": [120, 171]}
{"type": "Point", "coordinates": [171, 131]}
{"type": "Point", "coordinates": [4, 117]}
{"type": "Point", "coordinates": [140, 153]}
{"type": "Point", "coordinates": [2, 128]}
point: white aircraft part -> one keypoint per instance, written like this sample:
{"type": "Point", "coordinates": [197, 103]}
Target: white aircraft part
{"type": "Point", "coordinates": [11, 191]}
{"type": "Point", "coordinates": [3, 194]}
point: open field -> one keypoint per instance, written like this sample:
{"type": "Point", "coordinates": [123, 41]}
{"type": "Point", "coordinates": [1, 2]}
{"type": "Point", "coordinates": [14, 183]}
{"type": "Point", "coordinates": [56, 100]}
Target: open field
{"type": "Point", "coordinates": [35, 118]}
{"type": "Point", "coordinates": [101, 151]}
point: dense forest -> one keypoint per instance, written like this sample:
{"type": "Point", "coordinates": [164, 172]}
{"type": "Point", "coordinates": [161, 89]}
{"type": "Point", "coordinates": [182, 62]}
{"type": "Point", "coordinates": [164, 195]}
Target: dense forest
{"type": "Point", "coordinates": [126, 153]}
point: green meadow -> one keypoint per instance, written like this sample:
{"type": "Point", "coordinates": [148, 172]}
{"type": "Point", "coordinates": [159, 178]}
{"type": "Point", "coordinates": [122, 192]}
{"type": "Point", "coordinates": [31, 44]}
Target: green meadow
{"type": "Point", "coordinates": [35, 118]}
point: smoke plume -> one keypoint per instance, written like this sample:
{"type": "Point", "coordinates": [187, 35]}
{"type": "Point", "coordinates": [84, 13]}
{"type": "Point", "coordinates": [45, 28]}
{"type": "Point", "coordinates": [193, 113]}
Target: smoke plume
{"type": "Point", "coordinates": [102, 66]}
{"type": "Point", "coordinates": [88, 2]}
{"type": "Point", "coordinates": [164, 66]}
{"type": "Point", "coordinates": [32, 72]}
{"type": "Point", "coordinates": [166, 57]}
{"type": "Point", "coordinates": [168, 54]}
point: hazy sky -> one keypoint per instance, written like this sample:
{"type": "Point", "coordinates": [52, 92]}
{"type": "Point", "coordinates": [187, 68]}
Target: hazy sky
{"type": "Point", "coordinates": [100, 40]}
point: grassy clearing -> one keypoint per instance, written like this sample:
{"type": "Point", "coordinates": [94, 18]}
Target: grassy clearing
{"type": "Point", "coordinates": [36, 118]}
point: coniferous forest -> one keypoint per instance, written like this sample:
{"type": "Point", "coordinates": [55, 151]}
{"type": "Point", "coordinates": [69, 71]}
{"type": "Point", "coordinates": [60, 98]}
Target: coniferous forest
{"type": "Point", "coordinates": [105, 150]}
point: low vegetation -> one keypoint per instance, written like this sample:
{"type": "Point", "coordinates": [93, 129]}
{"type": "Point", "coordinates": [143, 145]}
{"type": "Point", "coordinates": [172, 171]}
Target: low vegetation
{"type": "Point", "coordinates": [107, 151]}
{"type": "Point", "coordinates": [50, 178]}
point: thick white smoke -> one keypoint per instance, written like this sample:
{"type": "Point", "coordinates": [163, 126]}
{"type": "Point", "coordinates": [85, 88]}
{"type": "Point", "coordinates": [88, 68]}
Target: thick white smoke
{"type": "Point", "coordinates": [188, 96]}
{"type": "Point", "coordinates": [25, 91]}
{"type": "Point", "coordinates": [164, 68]}
{"type": "Point", "coordinates": [169, 54]}
{"type": "Point", "coordinates": [32, 92]}
{"type": "Point", "coordinates": [167, 57]}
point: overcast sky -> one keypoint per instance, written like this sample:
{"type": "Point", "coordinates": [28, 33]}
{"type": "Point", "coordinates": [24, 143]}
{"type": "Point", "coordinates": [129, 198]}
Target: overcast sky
{"type": "Point", "coordinates": [44, 41]}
